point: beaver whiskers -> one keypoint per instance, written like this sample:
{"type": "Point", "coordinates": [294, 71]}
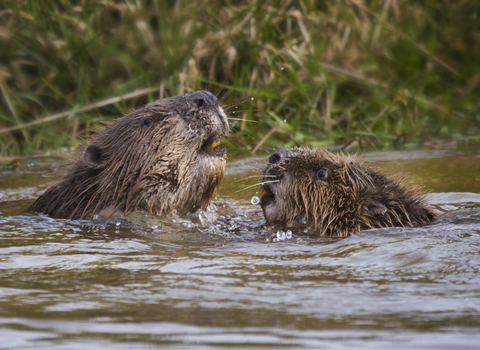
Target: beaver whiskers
{"type": "Point", "coordinates": [254, 185]}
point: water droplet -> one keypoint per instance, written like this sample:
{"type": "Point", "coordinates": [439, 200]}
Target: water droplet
{"type": "Point", "coordinates": [201, 218]}
{"type": "Point", "coordinates": [281, 68]}
{"type": "Point", "coordinates": [280, 235]}
{"type": "Point", "coordinates": [255, 200]}
{"type": "Point", "coordinates": [288, 234]}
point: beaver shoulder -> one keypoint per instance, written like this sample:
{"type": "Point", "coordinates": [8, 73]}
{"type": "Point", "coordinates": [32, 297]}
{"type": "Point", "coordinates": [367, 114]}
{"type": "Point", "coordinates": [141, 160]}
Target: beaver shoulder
{"type": "Point", "coordinates": [336, 194]}
{"type": "Point", "coordinates": [164, 156]}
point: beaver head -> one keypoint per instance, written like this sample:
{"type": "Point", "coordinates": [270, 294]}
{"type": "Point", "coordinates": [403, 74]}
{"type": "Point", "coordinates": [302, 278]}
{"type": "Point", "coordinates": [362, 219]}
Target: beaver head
{"type": "Point", "coordinates": [164, 156]}
{"type": "Point", "coordinates": [336, 194]}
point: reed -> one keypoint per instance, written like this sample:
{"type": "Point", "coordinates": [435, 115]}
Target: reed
{"type": "Point", "coordinates": [319, 72]}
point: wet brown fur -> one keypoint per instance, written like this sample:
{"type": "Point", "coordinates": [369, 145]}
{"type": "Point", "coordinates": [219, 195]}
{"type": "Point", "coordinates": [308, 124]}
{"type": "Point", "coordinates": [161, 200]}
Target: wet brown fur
{"type": "Point", "coordinates": [352, 196]}
{"type": "Point", "coordinates": [165, 165]}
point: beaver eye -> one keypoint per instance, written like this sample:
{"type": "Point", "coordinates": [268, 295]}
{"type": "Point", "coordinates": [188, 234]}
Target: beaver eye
{"type": "Point", "coordinates": [322, 174]}
{"type": "Point", "coordinates": [147, 121]}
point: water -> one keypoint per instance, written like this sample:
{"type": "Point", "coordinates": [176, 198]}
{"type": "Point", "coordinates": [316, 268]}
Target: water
{"type": "Point", "coordinates": [145, 282]}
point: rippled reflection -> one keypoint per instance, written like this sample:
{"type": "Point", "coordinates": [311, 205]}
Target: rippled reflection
{"type": "Point", "coordinates": [225, 279]}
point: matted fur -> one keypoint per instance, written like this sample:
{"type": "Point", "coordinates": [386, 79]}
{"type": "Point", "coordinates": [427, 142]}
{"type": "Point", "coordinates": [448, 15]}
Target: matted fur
{"type": "Point", "coordinates": [161, 157]}
{"type": "Point", "coordinates": [351, 197]}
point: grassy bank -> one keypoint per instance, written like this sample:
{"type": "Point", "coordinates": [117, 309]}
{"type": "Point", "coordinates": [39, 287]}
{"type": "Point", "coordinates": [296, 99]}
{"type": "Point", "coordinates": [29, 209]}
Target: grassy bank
{"type": "Point", "coordinates": [319, 72]}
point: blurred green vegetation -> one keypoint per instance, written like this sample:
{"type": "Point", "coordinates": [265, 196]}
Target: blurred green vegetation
{"type": "Point", "coordinates": [319, 72]}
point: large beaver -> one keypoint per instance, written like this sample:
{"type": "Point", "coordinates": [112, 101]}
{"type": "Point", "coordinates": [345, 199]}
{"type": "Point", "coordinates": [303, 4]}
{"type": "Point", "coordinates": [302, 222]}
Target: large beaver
{"type": "Point", "coordinates": [336, 194]}
{"type": "Point", "coordinates": [164, 156]}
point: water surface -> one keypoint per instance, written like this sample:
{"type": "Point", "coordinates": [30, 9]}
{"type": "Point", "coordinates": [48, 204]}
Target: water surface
{"type": "Point", "coordinates": [203, 284]}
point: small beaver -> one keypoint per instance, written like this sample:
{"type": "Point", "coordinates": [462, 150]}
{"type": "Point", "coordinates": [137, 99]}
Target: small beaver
{"type": "Point", "coordinates": [336, 194]}
{"type": "Point", "coordinates": [165, 156]}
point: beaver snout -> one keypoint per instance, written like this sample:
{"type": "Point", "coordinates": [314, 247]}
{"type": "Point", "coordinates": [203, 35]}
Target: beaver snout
{"type": "Point", "coordinates": [280, 155]}
{"type": "Point", "coordinates": [270, 181]}
{"type": "Point", "coordinates": [204, 116]}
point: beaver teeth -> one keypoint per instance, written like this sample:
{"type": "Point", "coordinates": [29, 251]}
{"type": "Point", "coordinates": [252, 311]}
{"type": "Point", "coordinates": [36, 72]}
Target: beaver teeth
{"type": "Point", "coordinates": [213, 146]}
{"type": "Point", "coordinates": [212, 142]}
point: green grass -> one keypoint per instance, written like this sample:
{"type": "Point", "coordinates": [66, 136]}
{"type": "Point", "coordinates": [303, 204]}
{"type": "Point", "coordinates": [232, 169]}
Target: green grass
{"type": "Point", "coordinates": [320, 72]}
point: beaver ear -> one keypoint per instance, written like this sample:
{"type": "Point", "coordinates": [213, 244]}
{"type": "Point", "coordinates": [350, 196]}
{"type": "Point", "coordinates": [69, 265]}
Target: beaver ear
{"type": "Point", "coordinates": [94, 155]}
{"type": "Point", "coordinates": [374, 207]}
{"type": "Point", "coordinates": [377, 209]}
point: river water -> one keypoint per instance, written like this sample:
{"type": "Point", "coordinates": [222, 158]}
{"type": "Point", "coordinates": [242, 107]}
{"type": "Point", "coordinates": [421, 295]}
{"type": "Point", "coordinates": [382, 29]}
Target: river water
{"type": "Point", "coordinates": [144, 283]}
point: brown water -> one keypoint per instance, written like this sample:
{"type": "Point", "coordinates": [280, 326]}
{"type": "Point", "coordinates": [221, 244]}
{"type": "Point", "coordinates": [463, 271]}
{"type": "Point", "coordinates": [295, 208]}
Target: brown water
{"type": "Point", "coordinates": [205, 284]}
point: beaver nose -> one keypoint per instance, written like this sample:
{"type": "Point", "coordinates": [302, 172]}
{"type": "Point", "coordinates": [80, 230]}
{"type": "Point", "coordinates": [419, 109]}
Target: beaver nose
{"type": "Point", "coordinates": [279, 156]}
{"type": "Point", "coordinates": [202, 99]}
